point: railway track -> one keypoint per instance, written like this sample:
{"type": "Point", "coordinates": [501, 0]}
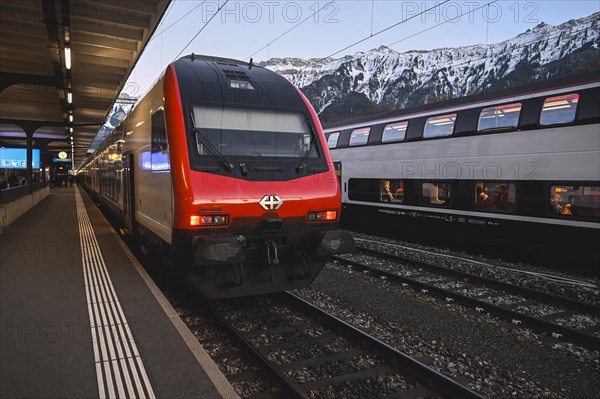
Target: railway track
{"type": "Point", "coordinates": [517, 304]}
{"type": "Point", "coordinates": [309, 353]}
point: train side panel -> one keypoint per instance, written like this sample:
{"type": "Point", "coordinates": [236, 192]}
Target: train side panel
{"type": "Point", "coordinates": [152, 170]}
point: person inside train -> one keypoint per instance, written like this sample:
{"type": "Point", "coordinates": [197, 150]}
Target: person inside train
{"type": "Point", "coordinates": [557, 207]}
{"type": "Point", "coordinates": [501, 198]}
{"type": "Point", "coordinates": [483, 198]}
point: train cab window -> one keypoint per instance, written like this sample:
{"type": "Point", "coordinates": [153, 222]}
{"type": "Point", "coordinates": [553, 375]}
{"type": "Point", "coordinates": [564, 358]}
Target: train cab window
{"type": "Point", "coordinates": [391, 191]}
{"type": "Point", "coordinates": [332, 140]}
{"type": "Point", "coordinates": [360, 136]}
{"type": "Point", "coordinates": [439, 126]}
{"type": "Point", "coordinates": [575, 201]}
{"type": "Point", "coordinates": [394, 132]}
{"type": "Point", "coordinates": [495, 196]}
{"type": "Point", "coordinates": [235, 132]}
{"type": "Point", "coordinates": [500, 117]}
{"type": "Point", "coordinates": [559, 109]}
{"type": "Point", "coordinates": [435, 193]}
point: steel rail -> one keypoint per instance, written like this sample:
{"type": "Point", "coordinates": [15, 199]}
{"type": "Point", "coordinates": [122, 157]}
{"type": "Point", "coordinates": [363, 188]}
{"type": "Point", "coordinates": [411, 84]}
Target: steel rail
{"type": "Point", "coordinates": [436, 382]}
{"type": "Point", "coordinates": [439, 381]}
{"type": "Point", "coordinates": [507, 314]}
{"type": "Point", "coordinates": [515, 289]}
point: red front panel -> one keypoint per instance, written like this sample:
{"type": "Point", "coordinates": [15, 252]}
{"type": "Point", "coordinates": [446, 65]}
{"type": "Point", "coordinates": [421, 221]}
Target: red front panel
{"type": "Point", "coordinates": [205, 193]}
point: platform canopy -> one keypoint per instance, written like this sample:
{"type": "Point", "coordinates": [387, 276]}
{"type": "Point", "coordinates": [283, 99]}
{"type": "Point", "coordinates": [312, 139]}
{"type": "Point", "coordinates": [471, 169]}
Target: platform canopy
{"type": "Point", "coordinates": [40, 90]}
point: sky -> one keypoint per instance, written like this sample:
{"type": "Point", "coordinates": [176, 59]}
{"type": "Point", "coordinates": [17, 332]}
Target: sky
{"type": "Point", "coordinates": [317, 29]}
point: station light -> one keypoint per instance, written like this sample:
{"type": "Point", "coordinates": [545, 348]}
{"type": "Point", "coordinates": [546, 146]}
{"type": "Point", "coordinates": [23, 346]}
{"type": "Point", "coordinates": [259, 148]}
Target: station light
{"type": "Point", "coordinates": [68, 57]}
{"type": "Point", "coordinates": [69, 97]}
{"type": "Point", "coordinates": [70, 130]}
{"type": "Point", "coordinates": [70, 117]}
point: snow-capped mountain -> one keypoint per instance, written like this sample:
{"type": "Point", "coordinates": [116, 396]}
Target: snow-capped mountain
{"type": "Point", "coordinates": [383, 79]}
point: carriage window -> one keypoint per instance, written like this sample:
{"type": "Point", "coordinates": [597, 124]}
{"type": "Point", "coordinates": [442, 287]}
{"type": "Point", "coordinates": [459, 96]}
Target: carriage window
{"type": "Point", "coordinates": [439, 126]}
{"type": "Point", "coordinates": [495, 196]}
{"type": "Point", "coordinates": [579, 201]}
{"type": "Point", "coordinates": [435, 193]}
{"type": "Point", "coordinates": [360, 136]}
{"type": "Point", "coordinates": [332, 140]}
{"type": "Point", "coordinates": [363, 190]}
{"type": "Point", "coordinates": [500, 117]}
{"type": "Point", "coordinates": [394, 132]}
{"type": "Point", "coordinates": [391, 191]}
{"type": "Point", "coordinates": [559, 109]}
{"type": "Point", "coordinates": [159, 133]}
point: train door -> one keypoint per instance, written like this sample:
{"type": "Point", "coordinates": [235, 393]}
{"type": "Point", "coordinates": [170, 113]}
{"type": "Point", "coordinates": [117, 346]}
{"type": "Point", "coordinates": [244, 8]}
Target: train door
{"type": "Point", "coordinates": [128, 192]}
{"type": "Point", "coordinates": [337, 165]}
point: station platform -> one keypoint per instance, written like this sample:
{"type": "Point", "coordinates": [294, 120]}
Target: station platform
{"type": "Point", "coordinates": [80, 318]}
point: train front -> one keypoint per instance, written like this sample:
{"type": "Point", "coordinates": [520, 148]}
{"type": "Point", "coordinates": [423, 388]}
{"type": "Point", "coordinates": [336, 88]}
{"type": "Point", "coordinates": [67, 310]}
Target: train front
{"type": "Point", "coordinates": [256, 199]}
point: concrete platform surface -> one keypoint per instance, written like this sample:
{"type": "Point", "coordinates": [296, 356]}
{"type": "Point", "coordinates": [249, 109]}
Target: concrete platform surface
{"type": "Point", "coordinates": [81, 319]}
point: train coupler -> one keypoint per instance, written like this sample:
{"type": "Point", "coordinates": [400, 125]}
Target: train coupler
{"type": "Point", "coordinates": [272, 255]}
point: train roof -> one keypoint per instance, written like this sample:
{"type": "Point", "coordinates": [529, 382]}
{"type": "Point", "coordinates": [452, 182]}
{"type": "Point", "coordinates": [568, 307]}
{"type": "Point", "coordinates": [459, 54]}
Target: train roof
{"type": "Point", "coordinates": [229, 82]}
{"type": "Point", "coordinates": [508, 92]}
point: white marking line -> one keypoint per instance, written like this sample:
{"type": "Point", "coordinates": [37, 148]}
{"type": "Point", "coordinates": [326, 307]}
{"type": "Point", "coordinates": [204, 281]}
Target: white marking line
{"type": "Point", "coordinates": [550, 277]}
{"type": "Point", "coordinates": [113, 342]}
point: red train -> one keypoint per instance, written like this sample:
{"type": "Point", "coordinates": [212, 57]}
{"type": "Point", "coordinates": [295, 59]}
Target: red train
{"type": "Point", "coordinates": [222, 169]}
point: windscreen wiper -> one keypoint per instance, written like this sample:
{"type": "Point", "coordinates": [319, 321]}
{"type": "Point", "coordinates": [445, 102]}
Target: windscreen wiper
{"type": "Point", "coordinates": [313, 137]}
{"type": "Point", "coordinates": [211, 148]}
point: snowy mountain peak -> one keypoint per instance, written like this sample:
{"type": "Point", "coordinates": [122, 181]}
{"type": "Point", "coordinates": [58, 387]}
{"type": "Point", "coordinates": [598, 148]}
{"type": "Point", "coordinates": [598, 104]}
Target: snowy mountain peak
{"type": "Point", "coordinates": [383, 79]}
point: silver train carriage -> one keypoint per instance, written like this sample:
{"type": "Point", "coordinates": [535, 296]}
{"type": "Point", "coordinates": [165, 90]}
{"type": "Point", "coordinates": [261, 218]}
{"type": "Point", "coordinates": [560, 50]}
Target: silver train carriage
{"type": "Point", "coordinates": [512, 174]}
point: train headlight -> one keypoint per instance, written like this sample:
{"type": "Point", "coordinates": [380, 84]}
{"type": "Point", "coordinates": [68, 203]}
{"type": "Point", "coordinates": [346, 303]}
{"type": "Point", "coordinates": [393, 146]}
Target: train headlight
{"type": "Point", "coordinates": [209, 220]}
{"type": "Point", "coordinates": [322, 216]}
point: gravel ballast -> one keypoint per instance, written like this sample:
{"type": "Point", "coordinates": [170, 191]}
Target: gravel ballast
{"type": "Point", "coordinates": [489, 359]}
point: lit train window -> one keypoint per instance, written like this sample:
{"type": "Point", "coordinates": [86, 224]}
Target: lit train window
{"type": "Point", "coordinates": [500, 117]}
{"type": "Point", "coordinates": [333, 140]}
{"type": "Point", "coordinates": [360, 136]}
{"type": "Point", "coordinates": [435, 193]}
{"type": "Point", "coordinates": [577, 201]}
{"type": "Point", "coordinates": [391, 191]}
{"type": "Point", "coordinates": [439, 126]}
{"type": "Point", "coordinates": [394, 132]}
{"type": "Point", "coordinates": [495, 196]}
{"type": "Point", "coordinates": [559, 109]}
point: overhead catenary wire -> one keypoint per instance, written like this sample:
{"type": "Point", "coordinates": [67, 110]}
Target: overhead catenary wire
{"type": "Point", "coordinates": [442, 23]}
{"type": "Point", "coordinates": [379, 32]}
{"type": "Point", "coordinates": [388, 28]}
{"type": "Point", "coordinates": [289, 30]}
{"type": "Point", "coordinates": [507, 50]}
{"type": "Point", "coordinates": [177, 21]}
{"type": "Point", "coordinates": [201, 29]}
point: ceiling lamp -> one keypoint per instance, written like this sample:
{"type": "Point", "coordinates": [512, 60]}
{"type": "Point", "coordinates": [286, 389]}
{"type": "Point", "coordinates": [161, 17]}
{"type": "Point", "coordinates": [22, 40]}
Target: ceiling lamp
{"type": "Point", "coordinates": [68, 57]}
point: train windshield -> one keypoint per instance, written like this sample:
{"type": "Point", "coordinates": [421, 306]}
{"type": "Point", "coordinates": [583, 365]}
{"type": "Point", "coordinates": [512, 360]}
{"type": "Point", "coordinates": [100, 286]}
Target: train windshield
{"type": "Point", "coordinates": [234, 132]}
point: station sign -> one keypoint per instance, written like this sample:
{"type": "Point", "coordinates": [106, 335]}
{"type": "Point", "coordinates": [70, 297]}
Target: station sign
{"type": "Point", "coordinates": [16, 158]}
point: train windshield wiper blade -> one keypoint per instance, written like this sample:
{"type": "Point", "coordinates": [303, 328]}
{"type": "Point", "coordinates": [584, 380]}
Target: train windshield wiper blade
{"type": "Point", "coordinates": [313, 137]}
{"type": "Point", "coordinates": [211, 148]}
